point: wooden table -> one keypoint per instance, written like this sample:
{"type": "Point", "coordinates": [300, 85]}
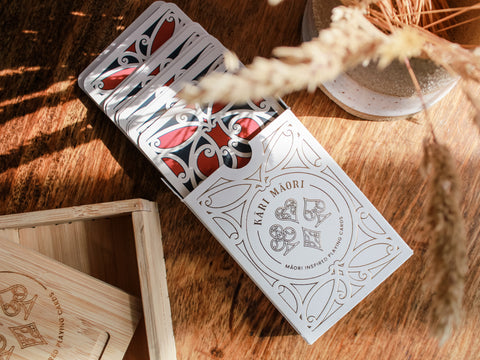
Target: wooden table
{"type": "Point", "coordinates": [58, 150]}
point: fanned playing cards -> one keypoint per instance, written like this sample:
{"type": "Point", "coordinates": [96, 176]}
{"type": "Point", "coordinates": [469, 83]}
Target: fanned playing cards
{"type": "Point", "coordinates": [255, 177]}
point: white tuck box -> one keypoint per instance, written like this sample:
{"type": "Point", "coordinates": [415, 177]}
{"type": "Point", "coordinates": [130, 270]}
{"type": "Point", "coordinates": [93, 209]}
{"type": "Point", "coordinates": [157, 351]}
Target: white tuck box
{"type": "Point", "coordinates": [299, 227]}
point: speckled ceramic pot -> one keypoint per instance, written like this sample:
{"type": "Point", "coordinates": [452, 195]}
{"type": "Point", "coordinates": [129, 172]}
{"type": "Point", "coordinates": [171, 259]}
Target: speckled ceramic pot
{"type": "Point", "coordinates": [374, 94]}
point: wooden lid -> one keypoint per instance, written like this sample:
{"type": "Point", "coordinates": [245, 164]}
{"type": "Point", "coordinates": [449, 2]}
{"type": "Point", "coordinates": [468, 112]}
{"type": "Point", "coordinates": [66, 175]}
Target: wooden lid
{"type": "Point", "coordinates": [51, 311]}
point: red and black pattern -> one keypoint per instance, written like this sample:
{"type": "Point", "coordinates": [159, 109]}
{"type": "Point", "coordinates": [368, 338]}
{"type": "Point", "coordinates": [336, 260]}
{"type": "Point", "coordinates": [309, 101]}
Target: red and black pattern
{"type": "Point", "coordinates": [195, 142]}
{"type": "Point", "coordinates": [136, 54]}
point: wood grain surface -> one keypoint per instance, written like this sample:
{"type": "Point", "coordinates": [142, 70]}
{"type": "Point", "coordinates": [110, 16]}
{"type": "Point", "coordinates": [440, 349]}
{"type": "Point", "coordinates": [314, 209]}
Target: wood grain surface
{"type": "Point", "coordinates": [58, 150]}
{"type": "Point", "coordinates": [118, 243]}
{"type": "Point", "coordinates": [66, 315]}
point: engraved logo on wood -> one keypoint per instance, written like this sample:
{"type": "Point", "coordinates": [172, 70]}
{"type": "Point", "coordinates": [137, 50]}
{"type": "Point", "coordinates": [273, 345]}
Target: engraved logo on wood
{"type": "Point", "coordinates": [27, 335]}
{"type": "Point", "coordinates": [28, 309]}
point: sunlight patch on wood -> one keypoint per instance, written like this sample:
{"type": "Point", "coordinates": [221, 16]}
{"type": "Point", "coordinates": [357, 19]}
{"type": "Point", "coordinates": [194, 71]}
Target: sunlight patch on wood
{"type": "Point", "coordinates": [19, 70]}
{"type": "Point", "coordinates": [55, 88]}
{"type": "Point", "coordinates": [79, 13]}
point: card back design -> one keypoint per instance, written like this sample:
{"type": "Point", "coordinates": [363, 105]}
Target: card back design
{"type": "Point", "coordinates": [190, 143]}
{"type": "Point", "coordinates": [160, 62]}
{"type": "Point", "coordinates": [163, 24]}
{"type": "Point", "coordinates": [160, 95]}
{"type": "Point", "coordinates": [119, 40]}
{"type": "Point", "coordinates": [299, 227]}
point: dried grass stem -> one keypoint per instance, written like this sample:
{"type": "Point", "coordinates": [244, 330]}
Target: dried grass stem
{"type": "Point", "coordinates": [446, 257]}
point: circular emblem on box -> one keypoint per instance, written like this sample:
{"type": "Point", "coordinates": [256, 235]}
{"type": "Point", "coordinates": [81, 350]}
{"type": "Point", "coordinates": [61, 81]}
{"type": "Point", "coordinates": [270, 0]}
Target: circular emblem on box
{"type": "Point", "coordinates": [299, 225]}
{"type": "Point", "coordinates": [31, 318]}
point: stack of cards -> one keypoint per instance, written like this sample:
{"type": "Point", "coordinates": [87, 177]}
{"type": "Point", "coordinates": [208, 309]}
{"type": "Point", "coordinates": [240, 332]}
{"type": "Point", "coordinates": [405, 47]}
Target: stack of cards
{"type": "Point", "coordinates": [271, 195]}
{"type": "Point", "coordinates": [135, 82]}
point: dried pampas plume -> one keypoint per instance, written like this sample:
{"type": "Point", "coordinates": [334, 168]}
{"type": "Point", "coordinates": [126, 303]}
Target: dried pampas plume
{"type": "Point", "coordinates": [364, 30]}
{"type": "Point", "coordinates": [384, 30]}
{"type": "Point", "coordinates": [476, 105]}
{"type": "Point", "coordinates": [350, 40]}
{"type": "Point", "coordinates": [446, 255]}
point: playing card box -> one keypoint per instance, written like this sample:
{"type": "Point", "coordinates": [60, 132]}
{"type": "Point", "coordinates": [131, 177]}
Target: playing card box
{"type": "Point", "coordinates": [299, 227]}
{"type": "Point", "coordinates": [61, 272]}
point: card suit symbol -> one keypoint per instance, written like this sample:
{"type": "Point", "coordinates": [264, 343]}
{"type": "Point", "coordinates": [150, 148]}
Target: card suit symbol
{"type": "Point", "coordinates": [5, 354]}
{"type": "Point", "coordinates": [289, 246]}
{"type": "Point", "coordinates": [288, 212]}
{"type": "Point", "coordinates": [163, 34]}
{"type": "Point", "coordinates": [112, 81]}
{"type": "Point", "coordinates": [17, 296]}
{"type": "Point", "coordinates": [27, 335]}
{"type": "Point", "coordinates": [282, 238]}
{"type": "Point", "coordinates": [315, 210]}
{"type": "Point", "coordinates": [311, 239]}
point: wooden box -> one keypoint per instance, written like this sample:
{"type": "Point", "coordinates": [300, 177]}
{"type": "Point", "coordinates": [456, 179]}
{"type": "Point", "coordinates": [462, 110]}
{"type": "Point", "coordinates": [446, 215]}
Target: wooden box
{"type": "Point", "coordinates": [118, 243]}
